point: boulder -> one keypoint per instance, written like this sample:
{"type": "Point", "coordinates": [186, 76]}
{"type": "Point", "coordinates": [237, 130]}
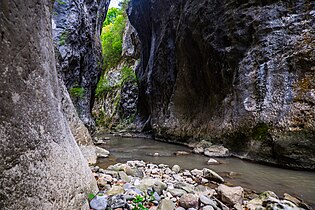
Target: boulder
{"type": "Point", "coordinates": [231, 195]}
{"type": "Point", "coordinates": [211, 175]}
{"type": "Point", "coordinates": [166, 204]}
{"type": "Point", "coordinates": [189, 201]}
{"type": "Point", "coordinates": [176, 168]}
{"type": "Point", "coordinates": [102, 153]}
{"type": "Point", "coordinates": [216, 151]}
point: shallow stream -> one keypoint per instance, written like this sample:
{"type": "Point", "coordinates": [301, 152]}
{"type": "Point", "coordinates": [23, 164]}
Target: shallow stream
{"type": "Point", "coordinates": [235, 171]}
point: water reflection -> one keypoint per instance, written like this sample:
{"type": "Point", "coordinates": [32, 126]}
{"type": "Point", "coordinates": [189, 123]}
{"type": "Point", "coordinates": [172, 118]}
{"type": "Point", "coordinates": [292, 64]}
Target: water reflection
{"type": "Point", "coordinates": [249, 175]}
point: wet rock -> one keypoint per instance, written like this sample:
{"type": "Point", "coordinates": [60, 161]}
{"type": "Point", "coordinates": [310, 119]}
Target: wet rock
{"type": "Point", "coordinates": [166, 204]}
{"type": "Point", "coordinates": [176, 168]}
{"type": "Point", "coordinates": [231, 195]}
{"type": "Point", "coordinates": [211, 175]}
{"type": "Point", "coordinates": [102, 153]}
{"type": "Point", "coordinates": [99, 202]}
{"type": "Point", "coordinates": [260, 90]}
{"type": "Point", "coordinates": [189, 201]}
{"type": "Point", "coordinates": [298, 202]}
{"type": "Point", "coordinates": [216, 151]}
{"type": "Point", "coordinates": [212, 161]}
{"type": "Point", "coordinates": [181, 153]}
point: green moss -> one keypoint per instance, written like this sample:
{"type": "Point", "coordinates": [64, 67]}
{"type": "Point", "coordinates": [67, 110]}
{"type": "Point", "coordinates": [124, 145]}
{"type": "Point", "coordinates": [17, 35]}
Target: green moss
{"type": "Point", "coordinates": [77, 91]}
{"type": "Point", "coordinates": [61, 2]}
{"type": "Point", "coordinates": [63, 38]}
{"type": "Point", "coordinates": [128, 75]}
{"type": "Point", "coordinates": [260, 132]}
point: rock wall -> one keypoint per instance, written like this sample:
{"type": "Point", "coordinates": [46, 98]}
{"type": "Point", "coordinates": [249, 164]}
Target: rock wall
{"type": "Point", "coordinates": [41, 166]}
{"type": "Point", "coordinates": [238, 73]}
{"type": "Point", "coordinates": [76, 31]}
{"type": "Point", "coordinates": [117, 106]}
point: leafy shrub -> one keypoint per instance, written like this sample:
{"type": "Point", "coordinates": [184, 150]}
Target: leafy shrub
{"type": "Point", "coordinates": [77, 91]}
{"type": "Point", "coordinates": [103, 86]}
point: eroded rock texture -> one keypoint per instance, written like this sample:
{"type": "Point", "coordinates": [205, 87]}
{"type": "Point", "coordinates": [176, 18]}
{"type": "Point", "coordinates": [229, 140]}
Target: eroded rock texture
{"type": "Point", "coordinates": [118, 104]}
{"type": "Point", "coordinates": [76, 30]}
{"type": "Point", "coordinates": [239, 73]}
{"type": "Point", "coordinates": [41, 166]}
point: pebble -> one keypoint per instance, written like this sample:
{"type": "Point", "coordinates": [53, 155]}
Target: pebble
{"type": "Point", "coordinates": [176, 168]}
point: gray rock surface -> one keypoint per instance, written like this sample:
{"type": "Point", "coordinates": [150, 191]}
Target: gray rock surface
{"type": "Point", "coordinates": [41, 166]}
{"type": "Point", "coordinates": [233, 72]}
{"type": "Point", "coordinates": [78, 130]}
{"type": "Point", "coordinates": [76, 32]}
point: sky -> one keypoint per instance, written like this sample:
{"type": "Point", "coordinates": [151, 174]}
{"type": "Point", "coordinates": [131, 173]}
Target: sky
{"type": "Point", "coordinates": [113, 3]}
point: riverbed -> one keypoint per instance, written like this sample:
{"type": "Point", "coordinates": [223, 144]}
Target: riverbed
{"type": "Point", "coordinates": [249, 175]}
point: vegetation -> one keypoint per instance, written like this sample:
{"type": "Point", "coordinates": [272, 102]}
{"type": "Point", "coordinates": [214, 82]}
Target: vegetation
{"type": "Point", "coordinates": [77, 91]}
{"type": "Point", "coordinates": [112, 36]}
{"type": "Point", "coordinates": [63, 38]}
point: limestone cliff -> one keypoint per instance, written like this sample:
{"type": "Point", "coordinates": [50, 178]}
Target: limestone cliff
{"type": "Point", "coordinates": [41, 166]}
{"type": "Point", "coordinates": [76, 31]}
{"type": "Point", "coordinates": [240, 73]}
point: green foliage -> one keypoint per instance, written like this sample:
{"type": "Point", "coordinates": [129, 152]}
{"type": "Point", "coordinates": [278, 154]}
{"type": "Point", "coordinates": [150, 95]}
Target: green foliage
{"type": "Point", "coordinates": [128, 75]}
{"type": "Point", "coordinates": [138, 203]}
{"type": "Point", "coordinates": [111, 16]}
{"type": "Point", "coordinates": [91, 196]}
{"type": "Point", "coordinates": [77, 91]}
{"type": "Point", "coordinates": [260, 131]}
{"type": "Point", "coordinates": [61, 2]}
{"type": "Point", "coordinates": [112, 37]}
{"type": "Point", "coordinates": [63, 38]}
{"type": "Point", "coordinates": [103, 86]}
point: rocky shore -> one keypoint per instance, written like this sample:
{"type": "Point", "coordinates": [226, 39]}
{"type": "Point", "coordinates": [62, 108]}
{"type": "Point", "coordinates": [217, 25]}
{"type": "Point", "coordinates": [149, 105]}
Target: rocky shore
{"type": "Point", "coordinates": [146, 186]}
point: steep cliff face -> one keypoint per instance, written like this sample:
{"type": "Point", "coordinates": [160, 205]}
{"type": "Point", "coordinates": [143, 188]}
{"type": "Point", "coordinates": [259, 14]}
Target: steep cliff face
{"type": "Point", "coordinates": [239, 73]}
{"type": "Point", "coordinates": [41, 166]}
{"type": "Point", "coordinates": [116, 106]}
{"type": "Point", "coordinates": [76, 31]}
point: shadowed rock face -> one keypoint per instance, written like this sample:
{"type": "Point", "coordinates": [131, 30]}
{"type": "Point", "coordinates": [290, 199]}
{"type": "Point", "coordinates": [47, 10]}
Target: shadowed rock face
{"type": "Point", "coordinates": [76, 31]}
{"type": "Point", "coordinates": [239, 73]}
{"type": "Point", "coordinates": [41, 166]}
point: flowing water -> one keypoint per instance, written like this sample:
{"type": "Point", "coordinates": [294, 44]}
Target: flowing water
{"type": "Point", "coordinates": [235, 171]}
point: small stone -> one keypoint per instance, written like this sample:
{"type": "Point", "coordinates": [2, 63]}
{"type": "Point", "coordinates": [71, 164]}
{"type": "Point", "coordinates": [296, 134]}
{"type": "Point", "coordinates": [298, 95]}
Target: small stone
{"type": "Point", "coordinates": [156, 154]}
{"type": "Point", "coordinates": [118, 201]}
{"type": "Point", "coordinates": [216, 151]}
{"type": "Point", "coordinates": [197, 172]}
{"type": "Point", "coordinates": [212, 161]}
{"type": "Point", "coordinates": [123, 176]}
{"type": "Point", "coordinates": [207, 208]}
{"type": "Point", "coordinates": [207, 201]}
{"type": "Point", "coordinates": [176, 168]}
{"type": "Point", "coordinates": [99, 202]}
{"type": "Point", "coordinates": [231, 195]}
{"type": "Point", "coordinates": [102, 153]}
{"type": "Point", "coordinates": [198, 150]}
{"type": "Point", "coordinates": [176, 192]}
{"type": "Point", "coordinates": [188, 201]}
{"type": "Point", "coordinates": [187, 173]}
{"type": "Point", "coordinates": [115, 190]}
{"type": "Point", "coordinates": [168, 171]}
{"type": "Point", "coordinates": [181, 153]}
{"type": "Point", "coordinates": [211, 175]}
{"type": "Point", "coordinates": [180, 208]}
{"type": "Point", "coordinates": [166, 204]}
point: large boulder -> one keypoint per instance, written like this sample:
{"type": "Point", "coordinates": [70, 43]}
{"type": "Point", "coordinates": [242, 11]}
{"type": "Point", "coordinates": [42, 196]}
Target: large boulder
{"type": "Point", "coordinates": [77, 26]}
{"type": "Point", "coordinates": [233, 72]}
{"type": "Point", "coordinates": [41, 166]}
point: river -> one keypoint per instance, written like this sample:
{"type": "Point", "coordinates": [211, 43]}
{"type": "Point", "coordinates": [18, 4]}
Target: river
{"type": "Point", "coordinates": [249, 175]}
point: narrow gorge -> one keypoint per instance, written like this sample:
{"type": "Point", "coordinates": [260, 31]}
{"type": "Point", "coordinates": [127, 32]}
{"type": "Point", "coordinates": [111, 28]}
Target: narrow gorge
{"type": "Point", "coordinates": [115, 104]}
